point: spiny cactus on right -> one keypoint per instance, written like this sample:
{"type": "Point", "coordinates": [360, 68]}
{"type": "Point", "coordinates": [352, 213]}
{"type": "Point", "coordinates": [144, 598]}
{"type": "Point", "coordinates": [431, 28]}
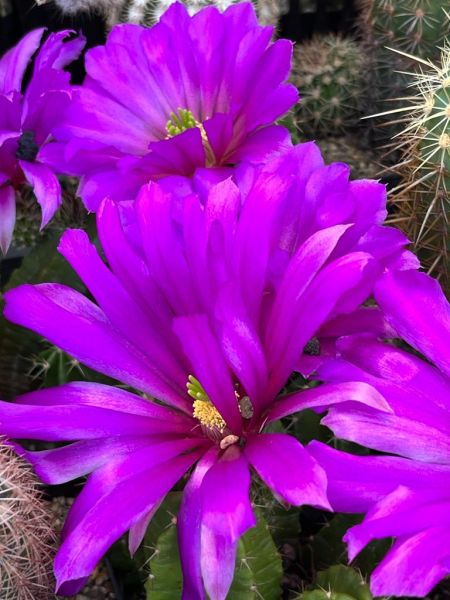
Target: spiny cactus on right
{"type": "Point", "coordinates": [27, 537]}
{"type": "Point", "coordinates": [414, 27]}
{"type": "Point", "coordinates": [423, 201]}
{"type": "Point", "coordinates": [329, 72]}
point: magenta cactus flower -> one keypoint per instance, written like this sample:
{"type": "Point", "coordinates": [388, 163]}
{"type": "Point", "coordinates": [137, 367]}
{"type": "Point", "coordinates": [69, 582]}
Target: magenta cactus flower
{"type": "Point", "coordinates": [27, 120]}
{"type": "Point", "coordinates": [406, 495]}
{"type": "Point", "coordinates": [207, 304]}
{"type": "Point", "coordinates": [157, 103]}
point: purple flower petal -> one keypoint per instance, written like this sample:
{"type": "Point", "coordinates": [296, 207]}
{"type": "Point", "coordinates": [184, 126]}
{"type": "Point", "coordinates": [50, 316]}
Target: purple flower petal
{"type": "Point", "coordinates": [125, 315]}
{"type": "Point", "coordinates": [417, 308]}
{"type": "Point", "coordinates": [374, 429]}
{"type": "Point", "coordinates": [218, 561]}
{"type": "Point", "coordinates": [348, 280]}
{"type": "Point", "coordinates": [242, 346]}
{"type": "Point", "coordinates": [413, 566]}
{"type": "Point", "coordinates": [85, 411]}
{"type": "Point", "coordinates": [402, 512]}
{"type": "Point", "coordinates": [189, 530]}
{"type": "Point", "coordinates": [139, 529]}
{"type": "Point", "coordinates": [80, 328]}
{"type": "Point", "coordinates": [325, 396]}
{"type": "Point", "coordinates": [81, 458]}
{"type": "Point", "coordinates": [15, 61]}
{"type": "Point", "coordinates": [226, 507]}
{"type": "Point", "coordinates": [7, 216]}
{"type": "Point", "coordinates": [209, 366]}
{"type": "Point", "coordinates": [287, 468]}
{"type": "Point", "coordinates": [414, 389]}
{"type": "Point", "coordinates": [57, 51]}
{"type": "Point", "coordinates": [45, 186]}
{"type": "Point", "coordinates": [110, 514]}
{"type": "Point", "coordinates": [355, 483]}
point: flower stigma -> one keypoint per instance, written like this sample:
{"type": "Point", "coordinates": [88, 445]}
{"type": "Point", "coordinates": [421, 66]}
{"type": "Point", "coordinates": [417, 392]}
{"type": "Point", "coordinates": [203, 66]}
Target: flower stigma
{"type": "Point", "coordinates": [180, 121]}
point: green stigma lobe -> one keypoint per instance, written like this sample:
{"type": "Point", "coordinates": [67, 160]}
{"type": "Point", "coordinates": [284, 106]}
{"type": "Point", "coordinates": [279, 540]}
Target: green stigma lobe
{"type": "Point", "coordinates": [180, 121]}
{"type": "Point", "coordinates": [195, 389]}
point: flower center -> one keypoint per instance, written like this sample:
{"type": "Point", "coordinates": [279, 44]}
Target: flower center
{"type": "Point", "coordinates": [204, 409]}
{"type": "Point", "coordinates": [27, 148]}
{"type": "Point", "coordinates": [181, 121]}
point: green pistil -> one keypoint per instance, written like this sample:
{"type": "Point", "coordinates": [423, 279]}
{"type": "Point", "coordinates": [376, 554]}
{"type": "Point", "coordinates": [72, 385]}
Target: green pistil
{"type": "Point", "coordinates": [195, 389]}
{"type": "Point", "coordinates": [180, 121]}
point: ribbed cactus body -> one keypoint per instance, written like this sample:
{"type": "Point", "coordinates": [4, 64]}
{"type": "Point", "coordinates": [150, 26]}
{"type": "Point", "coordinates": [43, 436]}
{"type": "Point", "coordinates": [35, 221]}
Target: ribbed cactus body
{"type": "Point", "coordinates": [27, 539]}
{"type": "Point", "coordinates": [329, 72]}
{"type": "Point", "coordinates": [424, 199]}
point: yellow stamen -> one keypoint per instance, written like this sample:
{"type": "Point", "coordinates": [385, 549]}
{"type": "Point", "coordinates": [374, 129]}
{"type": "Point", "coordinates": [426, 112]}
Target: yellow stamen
{"type": "Point", "coordinates": [204, 409]}
{"type": "Point", "coordinates": [208, 415]}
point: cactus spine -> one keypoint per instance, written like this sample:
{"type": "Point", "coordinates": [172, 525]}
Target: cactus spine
{"type": "Point", "coordinates": [329, 71]}
{"type": "Point", "coordinates": [27, 538]}
{"type": "Point", "coordinates": [423, 200]}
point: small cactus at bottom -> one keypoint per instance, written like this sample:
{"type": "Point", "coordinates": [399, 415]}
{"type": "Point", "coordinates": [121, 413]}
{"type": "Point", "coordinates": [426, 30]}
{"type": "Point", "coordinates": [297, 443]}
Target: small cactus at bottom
{"type": "Point", "coordinates": [338, 583]}
{"type": "Point", "coordinates": [423, 200]}
{"type": "Point", "coordinates": [27, 537]}
{"type": "Point", "coordinates": [329, 72]}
